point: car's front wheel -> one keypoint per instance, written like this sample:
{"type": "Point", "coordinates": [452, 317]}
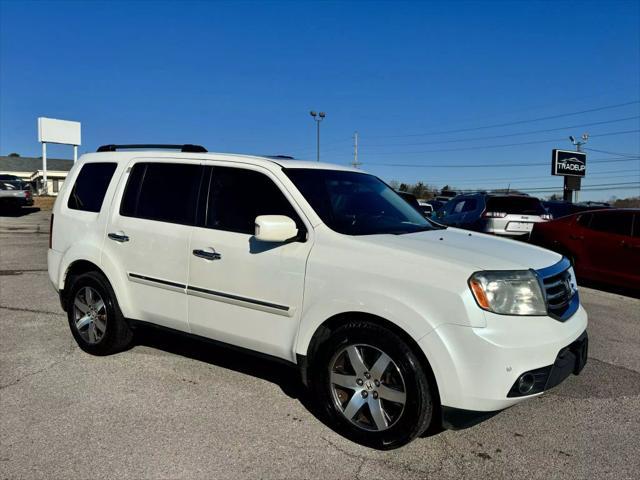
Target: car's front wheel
{"type": "Point", "coordinates": [372, 386]}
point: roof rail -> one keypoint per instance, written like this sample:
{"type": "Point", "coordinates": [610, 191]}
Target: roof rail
{"type": "Point", "coordinates": [279, 157]}
{"type": "Point", "coordinates": [187, 147]}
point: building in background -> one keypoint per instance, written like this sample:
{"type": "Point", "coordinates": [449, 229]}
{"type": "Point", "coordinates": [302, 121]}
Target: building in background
{"type": "Point", "coordinates": [29, 169]}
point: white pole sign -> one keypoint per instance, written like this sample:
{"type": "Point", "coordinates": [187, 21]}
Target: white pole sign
{"type": "Point", "coordinates": [51, 130]}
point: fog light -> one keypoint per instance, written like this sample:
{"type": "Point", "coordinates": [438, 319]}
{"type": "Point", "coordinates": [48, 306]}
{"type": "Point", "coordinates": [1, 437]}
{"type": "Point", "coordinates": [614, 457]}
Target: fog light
{"type": "Point", "coordinates": [525, 383]}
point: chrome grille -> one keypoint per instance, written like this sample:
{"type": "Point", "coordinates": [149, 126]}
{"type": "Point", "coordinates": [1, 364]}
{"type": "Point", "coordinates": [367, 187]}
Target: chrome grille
{"type": "Point", "coordinates": [562, 300]}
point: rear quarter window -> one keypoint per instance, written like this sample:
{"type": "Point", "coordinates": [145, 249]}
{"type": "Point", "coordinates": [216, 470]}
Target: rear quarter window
{"type": "Point", "coordinates": [91, 186]}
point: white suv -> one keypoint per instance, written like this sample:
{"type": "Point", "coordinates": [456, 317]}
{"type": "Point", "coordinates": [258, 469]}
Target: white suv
{"type": "Point", "coordinates": [396, 323]}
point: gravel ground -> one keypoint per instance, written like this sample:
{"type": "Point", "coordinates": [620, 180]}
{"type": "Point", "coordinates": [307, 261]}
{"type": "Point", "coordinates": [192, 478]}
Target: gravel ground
{"type": "Point", "coordinates": [176, 408]}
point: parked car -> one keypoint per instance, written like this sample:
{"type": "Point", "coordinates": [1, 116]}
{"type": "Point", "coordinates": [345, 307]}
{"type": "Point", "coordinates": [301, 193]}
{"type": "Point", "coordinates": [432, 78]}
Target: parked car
{"type": "Point", "coordinates": [410, 198]}
{"type": "Point", "coordinates": [448, 194]}
{"type": "Point", "coordinates": [419, 205]}
{"type": "Point", "coordinates": [395, 323]}
{"type": "Point", "coordinates": [437, 205]}
{"type": "Point", "coordinates": [426, 208]}
{"type": "Point", "coordinates": [14, 194]}
{"type": "Point", "coordinates": [499, 214]}
{"type": "Point", "coordinates": [560, 208]}
{"type": "Point", "coordinates": [604, 245]}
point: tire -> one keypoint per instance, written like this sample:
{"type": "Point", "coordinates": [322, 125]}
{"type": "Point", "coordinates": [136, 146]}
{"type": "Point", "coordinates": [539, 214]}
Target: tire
{"type": "Point", "coordinates": [400, 422]}
{"type": "Point", "coordinates": [95, 319]}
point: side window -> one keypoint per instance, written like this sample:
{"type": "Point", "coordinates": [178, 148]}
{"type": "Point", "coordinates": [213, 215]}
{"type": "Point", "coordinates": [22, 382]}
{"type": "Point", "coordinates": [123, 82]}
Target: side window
{"type": "Point", "coordinates": [636, 225]}
{"type": "Point", "coordinates": [584, 220]}
{"type": "Point", "coordinates": [459, 206]}
{"type": "Point", "coordinates": [91, 185]}
{"type": "Point", "coordinates": [166, 192]}
{"type": "Point", "coordinates": [237, 196]}
{"type": "Point", "coordinates": [470, 205]}
{"type": "Point", "coordinates": [618, 223]}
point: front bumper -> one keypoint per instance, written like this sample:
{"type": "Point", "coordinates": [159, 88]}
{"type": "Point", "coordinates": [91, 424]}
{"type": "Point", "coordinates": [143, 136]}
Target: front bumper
{"type": "Point", "coordinates": [570, 360]}
{"type": "Point", "coordinates": [476, 368]}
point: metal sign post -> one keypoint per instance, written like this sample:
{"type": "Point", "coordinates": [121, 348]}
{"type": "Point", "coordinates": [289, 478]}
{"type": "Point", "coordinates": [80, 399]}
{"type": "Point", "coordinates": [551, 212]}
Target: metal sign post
{"type": "Point", "coordinates": [51, 130]}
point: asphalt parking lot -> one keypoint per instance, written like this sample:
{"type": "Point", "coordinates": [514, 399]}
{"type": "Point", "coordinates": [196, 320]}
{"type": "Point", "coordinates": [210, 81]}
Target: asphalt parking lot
{"type": "Point", "coordinates": [176, 408]}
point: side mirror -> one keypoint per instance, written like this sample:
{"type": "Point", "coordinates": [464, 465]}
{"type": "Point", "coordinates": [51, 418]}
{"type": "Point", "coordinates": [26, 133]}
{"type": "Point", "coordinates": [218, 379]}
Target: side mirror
{"type": "Point", "coordinates": [275, 228]}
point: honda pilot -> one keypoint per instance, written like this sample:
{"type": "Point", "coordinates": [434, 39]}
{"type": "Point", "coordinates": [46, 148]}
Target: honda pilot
{"type": "Point", "coordinates": [396, 324]}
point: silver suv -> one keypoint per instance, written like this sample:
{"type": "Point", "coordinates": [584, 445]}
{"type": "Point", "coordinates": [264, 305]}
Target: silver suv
{"type": "Point", "coordinates": [501, 214]}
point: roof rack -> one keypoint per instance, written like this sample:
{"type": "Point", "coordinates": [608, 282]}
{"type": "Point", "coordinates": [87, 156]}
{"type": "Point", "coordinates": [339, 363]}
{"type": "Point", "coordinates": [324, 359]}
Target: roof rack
{"type": "Point", "coordinates": [279, 157]}
{"type": "Point", "coordinates": [187, 147]}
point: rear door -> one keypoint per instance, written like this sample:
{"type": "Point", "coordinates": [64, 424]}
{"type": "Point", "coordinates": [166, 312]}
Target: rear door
{"type": "Point", "coordinates": [606, 244]}
{"type": "Point", "coordinates": [242, 291]}
{"type": "Point", "coordinates": [148, 237]}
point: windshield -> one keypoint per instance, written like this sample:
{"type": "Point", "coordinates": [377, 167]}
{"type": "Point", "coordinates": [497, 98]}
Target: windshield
{"type": "Point", "coordinates": [357, 203]}
{"type": "Point", "coordinates": [518, 205]}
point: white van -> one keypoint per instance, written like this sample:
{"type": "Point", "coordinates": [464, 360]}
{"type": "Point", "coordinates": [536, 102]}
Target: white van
{"type": "Point", "coordinates": [396, 323]}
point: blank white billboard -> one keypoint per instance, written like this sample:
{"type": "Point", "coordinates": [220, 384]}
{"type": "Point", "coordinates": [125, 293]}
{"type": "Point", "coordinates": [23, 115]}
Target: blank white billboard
{"type": "Point", "coordinates": [51, 130]}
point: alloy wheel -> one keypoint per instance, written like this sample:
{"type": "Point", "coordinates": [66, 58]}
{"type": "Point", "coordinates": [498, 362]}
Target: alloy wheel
{"type": "Point", "coordinates": [367, 387]}
{"type": "Point", "coordinates": [90, 315]}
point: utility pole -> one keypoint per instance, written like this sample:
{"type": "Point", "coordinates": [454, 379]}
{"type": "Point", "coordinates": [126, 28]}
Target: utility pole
{"type": "Point", "coordinates": [355, 163]}
{"type": "Point", "coordinates": [578, 144]}
{"type": "Point", "coordinates": [318, 117]}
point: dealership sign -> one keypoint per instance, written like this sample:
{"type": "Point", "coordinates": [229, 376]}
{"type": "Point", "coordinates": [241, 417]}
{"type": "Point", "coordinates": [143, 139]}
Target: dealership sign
{"type": "Point", "coordinates": [568, 164]}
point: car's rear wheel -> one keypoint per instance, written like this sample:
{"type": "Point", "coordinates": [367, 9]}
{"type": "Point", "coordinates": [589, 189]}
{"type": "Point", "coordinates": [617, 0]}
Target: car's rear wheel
{"type": "Point", "coordinates": [372, 386]}
{"type": "Point", "coordinates": [95, 319]}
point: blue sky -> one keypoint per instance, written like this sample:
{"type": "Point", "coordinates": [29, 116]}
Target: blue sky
{"type": "Point", "coordinates": [425, 83]}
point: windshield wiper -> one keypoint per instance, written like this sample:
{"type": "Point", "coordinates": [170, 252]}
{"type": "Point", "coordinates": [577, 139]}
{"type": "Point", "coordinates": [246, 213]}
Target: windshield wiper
{"type": "Point", "coordinates": [426, 228]}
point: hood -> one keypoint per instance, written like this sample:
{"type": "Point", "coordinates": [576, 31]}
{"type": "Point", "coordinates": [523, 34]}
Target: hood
{"type": "Point", "coordinates": [468, 249]}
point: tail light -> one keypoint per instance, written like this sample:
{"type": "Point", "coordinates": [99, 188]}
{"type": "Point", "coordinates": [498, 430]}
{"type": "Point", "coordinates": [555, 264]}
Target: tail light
{"type": "Point", "coordinates": [50, 230]}
{"type": "Point", "coordinates": [546, 216]}
{"type": "Point", "coordinates": [27, 194]}
{"type": "Point", "coordinates": [494, 214]}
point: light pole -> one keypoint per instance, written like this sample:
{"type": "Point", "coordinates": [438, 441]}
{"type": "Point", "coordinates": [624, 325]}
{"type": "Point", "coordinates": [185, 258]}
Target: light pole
{"type": "Point", "coordinates": [318, 117]}
{"type": "Point", "coordinates": [578, 144]}
{"type": "Point", "coordinates": [568, 194]}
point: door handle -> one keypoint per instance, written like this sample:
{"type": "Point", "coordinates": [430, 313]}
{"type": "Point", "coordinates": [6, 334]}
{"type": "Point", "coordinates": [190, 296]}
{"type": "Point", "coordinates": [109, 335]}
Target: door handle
{"type": "Point", "coordinates": [576, 237]}
{"type": "Point", "coordinates": [118, 237]}
{"type": "Point", "coordinates": [206, 254]}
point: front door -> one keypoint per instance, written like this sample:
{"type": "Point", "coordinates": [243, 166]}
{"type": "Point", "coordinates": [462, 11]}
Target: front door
{"type": "Point", "coordinates": [242, 291]}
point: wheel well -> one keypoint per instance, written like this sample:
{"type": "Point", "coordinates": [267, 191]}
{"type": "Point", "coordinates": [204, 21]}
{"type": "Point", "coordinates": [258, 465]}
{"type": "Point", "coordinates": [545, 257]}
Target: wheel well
{"type": "Point", "coordinates": [324, 331]}
{"type": "Point", "coordinates": [79, 267]}
{"type": "Point", "coordinates": [76, 268]}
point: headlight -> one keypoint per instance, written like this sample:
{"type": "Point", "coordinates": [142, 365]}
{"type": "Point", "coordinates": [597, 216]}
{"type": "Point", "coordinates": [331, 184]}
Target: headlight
{"type": "Point", "coordinates": [508, 292]}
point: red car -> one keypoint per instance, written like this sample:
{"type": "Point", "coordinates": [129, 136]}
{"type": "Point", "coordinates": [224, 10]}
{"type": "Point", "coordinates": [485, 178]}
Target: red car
{"type": "Point", "coordinates": [604, 245]}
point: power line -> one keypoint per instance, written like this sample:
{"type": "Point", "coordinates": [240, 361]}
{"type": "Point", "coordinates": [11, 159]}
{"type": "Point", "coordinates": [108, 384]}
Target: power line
{"type": "Point", "coordinates": [476, 165]}
{"type": "Point", "coordinates": [510, 180]}
{"type": "Point", "coordinates": [596, 189]}
{"type": "Point", "coordinates": [504, 135]}
{"type": "Point", "coordinates": [552, 190]}
{"type": "Point", "coordinates": [484, 147]}
{"type": "Point", "coordinates": [518, 122]}
{"type": "Point", "coordinates": [613, 153]}
{"type": "Point", "coordinates": [531, 189]}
